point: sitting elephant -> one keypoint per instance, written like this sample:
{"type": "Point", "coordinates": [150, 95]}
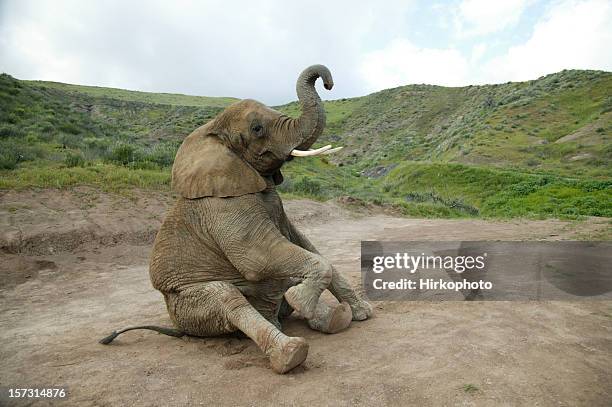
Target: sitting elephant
{"type": "Point", "coordinates": [227, 258]}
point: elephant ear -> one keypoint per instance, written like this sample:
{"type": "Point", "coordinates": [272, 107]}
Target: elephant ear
{"type": "Point", "coordinates": [204, 166]}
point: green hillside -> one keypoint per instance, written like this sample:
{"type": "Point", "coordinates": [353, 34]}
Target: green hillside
{"type": "Point", "coordinates": [560, 123]}
{"type": "Point", "coordinates": [135, 96]}
{"type": "Point", "coordinates": [44, 124]}
{"type": "Point", "coordinates": [538, 149]}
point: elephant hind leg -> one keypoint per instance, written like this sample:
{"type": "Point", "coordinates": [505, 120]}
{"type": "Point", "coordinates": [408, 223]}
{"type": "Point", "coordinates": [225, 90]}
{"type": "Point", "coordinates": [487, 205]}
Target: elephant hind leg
{"type": "Point", "coordinates": [218, 307]}
{"type": "Point", "coordinates": [199, 311]}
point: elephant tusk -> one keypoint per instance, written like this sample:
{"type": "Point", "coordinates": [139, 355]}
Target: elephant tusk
{"type": "Point", "coordinates": [302, 153]}
{"type": "Point", "coordinates": [333, 150]}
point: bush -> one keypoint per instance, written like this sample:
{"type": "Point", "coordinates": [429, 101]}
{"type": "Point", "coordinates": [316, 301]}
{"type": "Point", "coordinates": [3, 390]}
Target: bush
{"type": "Point", "coordinates": [70, 140]}
{"type": "Point", "coordinates": [74, 160]}
{"type": "Point", "coordinates": [32, 138]}
{"type": "Point", "coordinates": [70, 128]}
{"type": "Point", "coordinates": [45, 126]}
{"type": "Point", "coordinates": [308, 186]}
{"type": "Point", "coordinates": [123, 154]}
{"type": "Point", "coordinates": [522, 188]}
{"type": "Point", "coordinates": [303, 185]}
{"type": "Point", "coordinates": [8, 160]}
{"type": "Point", "coordinates": [18, 151]}
{"type": "Point", "coordinates": [9, 130]}
{"type": "Point", "coordinates": [161, 154]}
{"type": "Point", "coordinates": [454, 204]}
{"type": "Point", "coordinates": [607, 105]}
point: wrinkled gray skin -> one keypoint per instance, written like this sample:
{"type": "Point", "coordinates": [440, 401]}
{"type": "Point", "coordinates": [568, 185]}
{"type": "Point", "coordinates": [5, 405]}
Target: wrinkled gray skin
{"type": "Point", "coordinates": [227, 258]}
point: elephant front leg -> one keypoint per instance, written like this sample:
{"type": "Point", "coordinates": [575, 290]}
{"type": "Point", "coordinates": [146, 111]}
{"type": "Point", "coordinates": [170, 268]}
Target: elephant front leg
{"type": "Point", "coordinates": [316, 274]}
{"type": "Point", "coordinates": [343, 291]}
{"type": "Point", "coordinates": [338, 286]}
{"type": "Point", "coordinates": [331, 319]}
{"type": "Point", "coordinates": [259, 251]}
{"type": "Point", "coordinates": [326, 318]}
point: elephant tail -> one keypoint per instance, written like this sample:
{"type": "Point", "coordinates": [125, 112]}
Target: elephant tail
{"type": "Point", "coordinates": [162, 330]}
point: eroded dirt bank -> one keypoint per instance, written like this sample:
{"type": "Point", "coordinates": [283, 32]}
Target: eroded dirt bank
{"type": "Point", "coordinates": [73, 268]}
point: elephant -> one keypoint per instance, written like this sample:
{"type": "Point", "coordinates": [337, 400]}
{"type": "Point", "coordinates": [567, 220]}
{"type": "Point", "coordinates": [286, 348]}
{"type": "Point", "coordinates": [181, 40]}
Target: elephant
{"type": "Point", "coordinates": [226, 257]}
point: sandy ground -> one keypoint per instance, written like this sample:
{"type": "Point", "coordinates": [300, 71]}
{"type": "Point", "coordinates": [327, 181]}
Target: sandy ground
{"type": "Point", "coordinates": [73, 267]}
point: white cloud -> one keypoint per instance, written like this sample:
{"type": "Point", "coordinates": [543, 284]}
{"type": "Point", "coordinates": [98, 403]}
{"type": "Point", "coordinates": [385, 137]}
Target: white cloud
{"type": "Point", "coordinates": [479, 17]}
{"type": "Point", "coordinates": [573, 35]}
{"type": "Point", "coordinates": [257, 49]}
{"type": "Point", "coordinates": [478, 52]}
{"type": "Point", "coordinates": [213, 47]}
{"type": "Point", "coordinates": [402, 62]}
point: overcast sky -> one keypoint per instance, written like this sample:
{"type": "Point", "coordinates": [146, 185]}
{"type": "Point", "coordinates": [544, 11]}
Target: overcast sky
{"type": "Point", "coordinates": [256, 49]}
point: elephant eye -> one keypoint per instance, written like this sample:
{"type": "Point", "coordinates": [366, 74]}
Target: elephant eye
{"type": "Point", "coordinates": [257, 130]}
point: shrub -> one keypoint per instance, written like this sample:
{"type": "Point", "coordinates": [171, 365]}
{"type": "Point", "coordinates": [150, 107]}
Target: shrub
{"type": "Point", "coordinates": [32, 138]}
{"type": "Point", "coordinates": [307, 186]}
{"type": "Point", "coordinates": [16, 150]}
{"type": "Point", "coordinates": [70, 140]}
{"type": "Point", "coordinates": [456, 205]}
{"type": "Point", "coordinates": [69, 128]}
{"type": "Point", "coordinates": [161, 154]}
{"type": "Point", "coordinates": [522, 188]}
{"type": "Point", "coordinates": [74, 160]}
{"type": "Point", "coordinates": [302, 185]}
{"type": "Point", "coordinates": [10, 130]}
{"type": "Point", "coordinates": [97, 147]}
{"type": "Point", "coordinates": [8, 160]}
{"type": "Point", "coordinates": [45, 126]}
{"type": "Point", "coordinates": [123, 154]}
{"type": "Point", "coordinates": [607, 105]}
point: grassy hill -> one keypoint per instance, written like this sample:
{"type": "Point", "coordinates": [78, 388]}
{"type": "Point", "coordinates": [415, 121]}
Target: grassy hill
{"type": "Point", "coordinates": [136, 96]}
{"type": "Point", "coordinates": [539, 148]}
{"type": "Point", "coordinates": [560, 123]}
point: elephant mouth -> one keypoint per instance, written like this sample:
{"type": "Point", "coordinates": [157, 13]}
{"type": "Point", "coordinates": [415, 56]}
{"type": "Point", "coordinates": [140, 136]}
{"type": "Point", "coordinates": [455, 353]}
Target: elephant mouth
{"type": "Point", "coordinates": [319, 151]}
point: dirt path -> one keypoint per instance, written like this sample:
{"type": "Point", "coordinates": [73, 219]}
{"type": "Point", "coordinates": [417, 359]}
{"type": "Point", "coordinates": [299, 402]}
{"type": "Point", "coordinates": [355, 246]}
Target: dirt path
{"type": "Point", "coordinates": [55, 304]}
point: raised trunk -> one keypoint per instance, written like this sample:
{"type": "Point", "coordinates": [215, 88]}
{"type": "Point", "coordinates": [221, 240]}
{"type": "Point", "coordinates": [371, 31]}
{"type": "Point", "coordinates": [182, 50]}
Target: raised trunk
{"type": "Point", "coordinates": [311, 123]}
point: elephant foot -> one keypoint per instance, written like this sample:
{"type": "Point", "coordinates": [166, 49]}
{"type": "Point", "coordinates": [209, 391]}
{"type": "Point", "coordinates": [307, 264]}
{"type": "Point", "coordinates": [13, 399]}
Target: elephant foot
{"type": "Point", "coordinates": [331, 320]}
{"type": "Point", "coordinates": [289, 353]}
{"type": "Point", "coordinates": [362, 310]}
{"type": "Point", "coordinates": [302, 299]}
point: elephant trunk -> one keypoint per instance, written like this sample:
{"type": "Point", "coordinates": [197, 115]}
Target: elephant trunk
{"type": "Point", "coordinates": [311, 123]}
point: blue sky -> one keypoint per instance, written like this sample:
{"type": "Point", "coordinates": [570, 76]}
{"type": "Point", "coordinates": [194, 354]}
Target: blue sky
{"type": "Point", "coordinates": [257, 49]}
{"type": "Point", "coordinates": [442, 24]}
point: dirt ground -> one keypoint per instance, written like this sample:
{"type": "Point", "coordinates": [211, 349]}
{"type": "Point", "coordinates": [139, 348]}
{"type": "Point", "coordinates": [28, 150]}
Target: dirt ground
{"type": "Point", "coordinates": [73, 267]}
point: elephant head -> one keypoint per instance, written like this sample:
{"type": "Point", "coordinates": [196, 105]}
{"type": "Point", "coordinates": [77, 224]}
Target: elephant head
{"type": "Point", "coordinates": [248, 142]}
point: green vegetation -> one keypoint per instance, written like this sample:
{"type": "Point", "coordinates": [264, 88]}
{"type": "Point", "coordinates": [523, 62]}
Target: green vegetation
{"type": "Point", "coordinates": [499, 193]}
{"type": "Point", "coordinates": [455, 190]}
{"type": "Point", "coordinates": [136, 96]}
{"type": "Point", "coordinates": [530, 149]}
{"type": "Point", "coordinates": [469, 388]}
{"type": "Point", "coordinates": [559, 124]}
{"type": "Point", "coordinates": [110, 178]}
{"type": "Point", "coordinates": [49, 131]}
